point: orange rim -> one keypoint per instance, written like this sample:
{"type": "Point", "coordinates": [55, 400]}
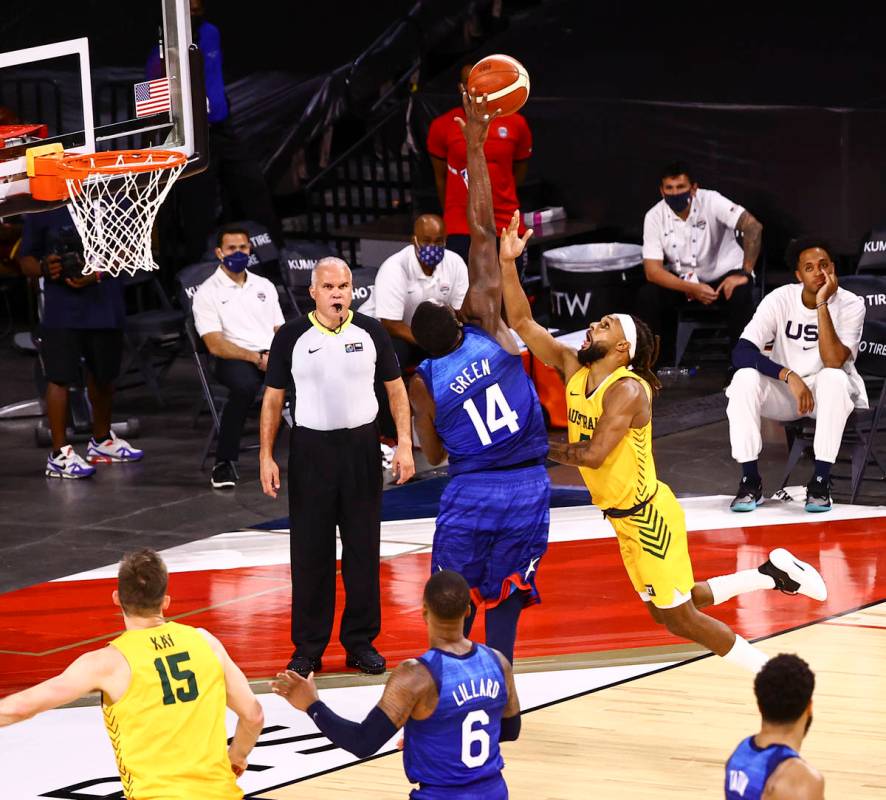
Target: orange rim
{"type": "Point", "coordinates": [78, 166]}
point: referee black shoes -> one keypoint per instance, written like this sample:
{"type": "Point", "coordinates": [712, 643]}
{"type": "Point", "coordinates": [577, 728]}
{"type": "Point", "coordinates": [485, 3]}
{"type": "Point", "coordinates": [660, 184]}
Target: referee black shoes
{"type": "Point", "coordinates": [224, 475]}
{"type": "Point", "coordinates": [369, 661]}
{"type": "Point", "coordinates": [304, 665]}
{"type": "Point", "coordinates": [749, 494]}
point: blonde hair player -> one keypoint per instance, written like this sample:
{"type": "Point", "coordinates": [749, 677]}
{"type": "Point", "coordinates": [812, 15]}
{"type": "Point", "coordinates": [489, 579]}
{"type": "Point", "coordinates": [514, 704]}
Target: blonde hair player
{"type": "Point", "coordinates": [164, 690]}
{"type": "Point", "coordinates": [609, 389]}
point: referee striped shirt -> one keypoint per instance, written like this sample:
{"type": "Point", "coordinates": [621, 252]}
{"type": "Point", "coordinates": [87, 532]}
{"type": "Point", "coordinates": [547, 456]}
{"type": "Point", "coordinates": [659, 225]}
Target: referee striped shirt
{"type": "Point", "coordinates": [332, 372]}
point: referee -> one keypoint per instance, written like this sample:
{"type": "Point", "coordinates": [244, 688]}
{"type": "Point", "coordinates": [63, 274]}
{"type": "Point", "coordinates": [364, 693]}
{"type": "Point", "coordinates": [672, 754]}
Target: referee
{"type": "Point", "coordinates": [332, 357]}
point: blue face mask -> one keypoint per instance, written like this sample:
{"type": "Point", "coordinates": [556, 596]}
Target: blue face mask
{"type": "Point", "coordinates": [236, 262]}
{"type": "Point", "coordinates": [678, 202]}
{"type": "Point", "coordinates": [431, 254]}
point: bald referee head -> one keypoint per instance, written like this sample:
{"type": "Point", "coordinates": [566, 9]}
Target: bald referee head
{"type": "Point", "coordinates": [332, 290]}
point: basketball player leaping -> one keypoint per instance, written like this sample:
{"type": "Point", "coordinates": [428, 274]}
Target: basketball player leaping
{"type": "Point", "coordinates": [473, 400]}
{"type": "Point", "coordinates": [164, 690]}
{"type": "Point", "coordinates": [455, 703]}
{"type": "Point", "coordinates": [609, 387]}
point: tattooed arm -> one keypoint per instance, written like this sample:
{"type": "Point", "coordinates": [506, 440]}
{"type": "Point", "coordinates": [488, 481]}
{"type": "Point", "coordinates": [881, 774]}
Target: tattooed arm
{"type": "Point", "coordinates": [625, 406]}
{"type": "Point", "coordinates": [752, 238]}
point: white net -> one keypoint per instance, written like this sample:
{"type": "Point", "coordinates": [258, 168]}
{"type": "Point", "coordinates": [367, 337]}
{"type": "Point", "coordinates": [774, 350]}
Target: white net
{"type": "Point", "coordinates": [115, 212]}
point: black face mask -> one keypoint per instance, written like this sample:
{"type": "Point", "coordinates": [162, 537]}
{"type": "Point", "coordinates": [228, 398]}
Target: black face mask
{"type": "Point", "coordinates": [678, 202]}
{"type": "Point", "coordinates": [588, 355]}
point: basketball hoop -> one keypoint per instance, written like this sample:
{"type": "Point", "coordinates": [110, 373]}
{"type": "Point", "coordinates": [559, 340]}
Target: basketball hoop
{"type": "Point", "coordinates": [113, 198]}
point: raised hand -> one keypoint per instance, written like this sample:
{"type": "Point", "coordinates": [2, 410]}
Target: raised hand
{"type": "Point", "coordinates": [475, 124]}
{"type": "Point", "coordinates": [511, 244]}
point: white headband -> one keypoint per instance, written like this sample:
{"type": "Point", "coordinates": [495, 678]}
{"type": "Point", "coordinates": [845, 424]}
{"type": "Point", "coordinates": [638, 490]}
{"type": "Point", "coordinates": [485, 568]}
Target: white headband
{"type": "Point", "coordinates": [630, 331]}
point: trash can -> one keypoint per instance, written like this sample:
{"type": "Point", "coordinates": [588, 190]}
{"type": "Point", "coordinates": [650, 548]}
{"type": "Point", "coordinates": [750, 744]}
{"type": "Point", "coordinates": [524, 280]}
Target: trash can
{"type": "Point", "coordinates": [588, 281]}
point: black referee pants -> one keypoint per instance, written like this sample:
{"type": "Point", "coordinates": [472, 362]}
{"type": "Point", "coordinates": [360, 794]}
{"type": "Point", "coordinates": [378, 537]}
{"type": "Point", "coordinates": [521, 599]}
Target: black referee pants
{"type": "Point", "coordinates": [335, 478]}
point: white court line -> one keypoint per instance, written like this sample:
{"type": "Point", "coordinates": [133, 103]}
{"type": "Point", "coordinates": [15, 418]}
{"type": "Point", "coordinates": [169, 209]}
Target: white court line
{"type": "Point", "coordinates": [45, 761]}
{"type": "Point", "coordinates": [250, 548]}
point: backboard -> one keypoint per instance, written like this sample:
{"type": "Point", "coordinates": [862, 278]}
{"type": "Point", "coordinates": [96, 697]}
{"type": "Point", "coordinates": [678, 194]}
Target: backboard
{"type": "Point", "coordinates": [50, 93]}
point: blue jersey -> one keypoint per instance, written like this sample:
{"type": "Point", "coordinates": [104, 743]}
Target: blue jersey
{"type": "Point", "coordinates": [749, 767]}
{"type": "Point", "coordinates": [458, 744]}
{"type": "Point", "coordinates": [488, 414]}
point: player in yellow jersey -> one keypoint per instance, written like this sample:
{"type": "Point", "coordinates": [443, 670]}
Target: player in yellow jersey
{"type": "Point", "coordinates": [164, 690]}
{"type": "Point", "coordinates": [609, 388]}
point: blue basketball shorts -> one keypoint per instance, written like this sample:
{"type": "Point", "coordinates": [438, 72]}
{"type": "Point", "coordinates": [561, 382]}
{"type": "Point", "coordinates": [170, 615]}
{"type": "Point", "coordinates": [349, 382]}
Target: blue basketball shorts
{"type": "Point", "coordinates": [493, 788]}
{"type": "Point", "coordinates": [493, 529]}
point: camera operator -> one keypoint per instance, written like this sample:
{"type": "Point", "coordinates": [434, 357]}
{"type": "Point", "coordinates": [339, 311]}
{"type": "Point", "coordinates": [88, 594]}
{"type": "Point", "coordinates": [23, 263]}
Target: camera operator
{"type": "Point", "coordinates": [82, 318]}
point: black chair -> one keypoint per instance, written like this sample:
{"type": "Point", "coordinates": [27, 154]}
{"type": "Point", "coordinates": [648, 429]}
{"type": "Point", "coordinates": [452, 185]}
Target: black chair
{"type": "Point", "coordinates": [873, 253]}
{"type": "Point", "coordinates": [364, 285]}
{"type": "Point", "coordinates": [862, 425]}
{"type": "Point", "coordinates": [213, 394]}
{"type": "Point", "coordinates": [153, 337]}
{"type": "Point", "coordinates": [695, 317]}
{"type": "Point", "coordinates": [297, 262]}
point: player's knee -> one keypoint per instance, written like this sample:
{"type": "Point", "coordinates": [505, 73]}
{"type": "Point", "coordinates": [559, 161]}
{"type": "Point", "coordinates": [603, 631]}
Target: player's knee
{"type": "Point", "coordinates": [744, 380]}
{"type": "Point", "coordinates": [832, 379]}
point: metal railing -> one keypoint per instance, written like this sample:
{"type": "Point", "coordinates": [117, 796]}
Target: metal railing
{"type": "Point", "coordinates": [372, 179]}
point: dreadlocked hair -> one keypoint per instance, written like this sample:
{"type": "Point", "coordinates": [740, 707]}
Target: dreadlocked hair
{"type": "Point", "coordinates": [646, 355]}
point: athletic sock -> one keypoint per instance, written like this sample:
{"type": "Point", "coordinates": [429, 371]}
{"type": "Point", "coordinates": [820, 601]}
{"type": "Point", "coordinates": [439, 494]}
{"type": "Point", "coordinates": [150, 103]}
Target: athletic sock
{"type": "Point", "coordinates": [101, 439]}
{"type": "Point", "coordinates": [750, 471]}
{"type": "Point", "coordinates": [743, 654]}
{"type": "Point", "coordinates": [822, 469]}
{"type": "Point", "coordinates": [501, 623]}
{"type": "Point", "coordinates": [56, 453]}
{"type": "Point", "coordinates": [725, 587]}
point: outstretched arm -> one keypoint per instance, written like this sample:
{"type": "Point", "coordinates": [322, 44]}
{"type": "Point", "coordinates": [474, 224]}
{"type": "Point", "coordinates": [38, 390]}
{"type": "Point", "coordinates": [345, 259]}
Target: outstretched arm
{"type": "Point", "coordinates": [404, 691]}
{"type": "Point", "coordinates": [624, 406]}
{"type": "Point", "coordinates": [538, 340]}
{"type": "Point", "coordinates": [482, 303]}
{"type": "Point", "coordinates": [88, 673]}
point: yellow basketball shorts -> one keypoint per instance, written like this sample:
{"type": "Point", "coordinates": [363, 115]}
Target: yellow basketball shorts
{"type": "Point", "coordinates": [655, 552]}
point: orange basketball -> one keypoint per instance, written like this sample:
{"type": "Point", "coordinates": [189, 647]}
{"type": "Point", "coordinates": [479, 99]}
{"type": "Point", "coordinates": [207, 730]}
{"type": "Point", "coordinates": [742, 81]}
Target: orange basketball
{"type": "Point", "coordinates": [503, 80]}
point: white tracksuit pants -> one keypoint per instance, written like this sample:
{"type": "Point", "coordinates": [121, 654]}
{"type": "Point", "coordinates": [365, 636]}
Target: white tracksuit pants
{"type": "Point", "coordinates": [753, 396]}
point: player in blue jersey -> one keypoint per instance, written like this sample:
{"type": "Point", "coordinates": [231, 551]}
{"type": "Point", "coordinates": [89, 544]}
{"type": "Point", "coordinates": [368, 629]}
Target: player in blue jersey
{"type": "Point", "coordinates": [768, 766]}
{"type": "Point", "coordinates": [473, 400]}
{"type": "Point", "coordinates": [456, 703]}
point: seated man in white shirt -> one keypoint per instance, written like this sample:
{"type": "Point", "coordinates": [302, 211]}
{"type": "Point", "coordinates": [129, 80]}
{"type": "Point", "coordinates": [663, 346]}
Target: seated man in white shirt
{"type": "Point", "coordinates": [815, 328]}
{"type": "Point", "coordinates": [690, 252]}
{"type": "Point", "coordinates": [423, 270]}
{"type": "Point", "coordinates": [236, 314]}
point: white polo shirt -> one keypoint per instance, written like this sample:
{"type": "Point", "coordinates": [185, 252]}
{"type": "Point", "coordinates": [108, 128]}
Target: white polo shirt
{"type": "Point", "coordinates": [245, 315]}
{"type": "Point", "coordinates": [401, 285]}
{"type": "Point", "coordinates": [703, 243]}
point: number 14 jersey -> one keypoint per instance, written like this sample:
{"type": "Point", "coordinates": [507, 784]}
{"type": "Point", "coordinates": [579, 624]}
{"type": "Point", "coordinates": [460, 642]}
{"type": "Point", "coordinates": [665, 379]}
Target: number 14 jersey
{"type": "Point", "coordinates": [168, 729]}
{"type": "Point", "coordinates": [487, 410]}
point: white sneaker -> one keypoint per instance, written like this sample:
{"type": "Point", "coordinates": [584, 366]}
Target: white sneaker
{"type": "Point", "coordinates": [110, 450]}
{"type": "Point", "coordinates": [793, 576]}
{"type": "Point", "coordinates": [68, 465]}
{"type": "Point", "coordinates": [387, 456]}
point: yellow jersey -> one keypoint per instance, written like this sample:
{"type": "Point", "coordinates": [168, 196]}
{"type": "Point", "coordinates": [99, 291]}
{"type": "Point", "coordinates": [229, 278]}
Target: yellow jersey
{"type": "Point", "coordinates": [168, 729]}
{"type": "Point", "coordinates": [627, 476]}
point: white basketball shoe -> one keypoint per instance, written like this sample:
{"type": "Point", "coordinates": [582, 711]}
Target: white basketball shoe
{"type": "Point", "coordinates": [793, 576]}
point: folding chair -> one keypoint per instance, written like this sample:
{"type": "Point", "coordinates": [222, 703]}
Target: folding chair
{"type": "Point", "coordinates": [153, 336]}
{"type": "Point", "coordinates": [862, 425]}
{"type": "Point", "coordinates": [297, 262]}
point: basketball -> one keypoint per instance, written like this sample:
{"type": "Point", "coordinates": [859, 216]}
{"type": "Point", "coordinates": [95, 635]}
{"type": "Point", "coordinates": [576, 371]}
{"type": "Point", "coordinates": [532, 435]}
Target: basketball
{"type": "Point", "coordinates": [503, 80]}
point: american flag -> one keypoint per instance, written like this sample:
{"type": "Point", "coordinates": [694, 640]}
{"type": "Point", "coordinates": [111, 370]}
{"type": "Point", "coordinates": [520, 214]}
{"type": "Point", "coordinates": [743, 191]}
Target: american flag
{"type": "Point", "coordinates": [151, 97]}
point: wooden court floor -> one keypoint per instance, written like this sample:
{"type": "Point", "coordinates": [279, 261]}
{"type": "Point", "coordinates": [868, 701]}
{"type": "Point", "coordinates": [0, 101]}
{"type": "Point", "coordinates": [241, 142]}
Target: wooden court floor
{"type": "Point", "coordinates": [668, 734]}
